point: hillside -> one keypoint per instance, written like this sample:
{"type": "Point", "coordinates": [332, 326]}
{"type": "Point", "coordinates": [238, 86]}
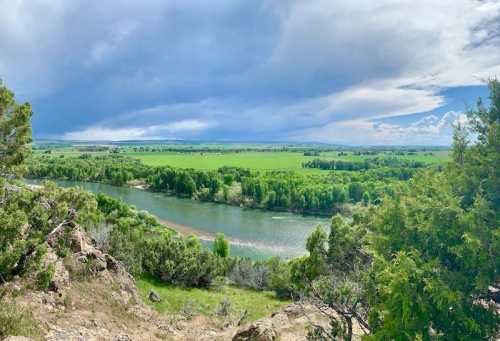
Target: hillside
{"type": "Point", "coordinates": [82, 293]}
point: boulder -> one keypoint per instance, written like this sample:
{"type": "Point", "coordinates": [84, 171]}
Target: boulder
{"type": "Point", "coordinates": [154, 296]}
{"type": "Point", "coordinates": [97, 261]}
{"type": "Point", "coordinates": [111, 263]}
{"type": "Point", "coordinates": [262, 330]}
{"type": "Point", "coordinates": [78, 242]}
{"type": "Point", "coordinates": [294, 311]}
{"type": "Point", "coordinates": [494, 293]}
{"type": "Point", "coordinates": [60, 280]}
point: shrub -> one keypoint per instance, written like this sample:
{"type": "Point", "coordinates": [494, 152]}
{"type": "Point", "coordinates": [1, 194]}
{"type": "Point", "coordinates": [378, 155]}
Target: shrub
{"type": "Point", "coordinates": [44, 277]}
{"type": "Point", "coordinates": [16, 321]}
{"type": "Point", "coordinates": [221, 246]}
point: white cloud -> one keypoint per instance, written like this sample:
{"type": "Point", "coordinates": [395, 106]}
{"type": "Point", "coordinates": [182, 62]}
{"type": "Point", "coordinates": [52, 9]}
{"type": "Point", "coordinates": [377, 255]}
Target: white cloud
{"type": "Point", "coordinates": [430, 130]}
{"type": "Point", "coordinates": [96, 133]}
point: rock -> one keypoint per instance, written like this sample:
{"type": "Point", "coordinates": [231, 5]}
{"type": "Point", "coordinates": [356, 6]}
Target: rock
{"type": "Point", "coordinates": [293, 310]}
{"type": "Point", "coordinates": [123, 338]}
{"type": "Point", "coordinates": [262, 330]}
{"type": "Point", "coordinates": [494, 293]}
{"type": "Point", "coordinates": [111, 263]}
{"type": "Point", "coordinates": [95, 259]}
{"type": "Point", "coordinates": [24, 230]}
{"type": "Point", "coordinates": [99, 262]}
{"type": "Point", "coordinates": [60, 280]}
{"type": "Point", "coordinates": [154, 296]}
{"type": "Point", "coordinates": [78, 243]}
{"type": "Point", "coordinates": [12, 188]}
{"type": "Point", "coordinates": [45, 205]}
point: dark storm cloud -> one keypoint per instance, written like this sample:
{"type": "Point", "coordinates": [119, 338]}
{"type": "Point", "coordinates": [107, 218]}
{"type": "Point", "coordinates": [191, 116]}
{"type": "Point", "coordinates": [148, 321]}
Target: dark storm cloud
{"type": "Point", "coordinates": [240, 69]}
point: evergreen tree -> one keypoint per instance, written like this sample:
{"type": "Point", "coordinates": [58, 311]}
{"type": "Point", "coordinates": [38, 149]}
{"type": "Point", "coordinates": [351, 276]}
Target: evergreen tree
{"type": "Point", "coordinates": [460, 141]}
{"type": "Point", "coordinates": [15, 133]}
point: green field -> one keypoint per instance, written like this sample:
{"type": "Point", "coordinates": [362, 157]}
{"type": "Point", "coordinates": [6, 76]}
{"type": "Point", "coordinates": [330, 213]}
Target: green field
{"type": "Point", "coordinates": [254, 160]}
{"type": "Point", "coordinates": [175, 299]}
{"type": "Point", "coordinates": [259, 160]}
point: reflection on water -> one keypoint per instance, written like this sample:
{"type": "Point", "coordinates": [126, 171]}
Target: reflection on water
{"type": "Point", "coordinates": [255, 233]}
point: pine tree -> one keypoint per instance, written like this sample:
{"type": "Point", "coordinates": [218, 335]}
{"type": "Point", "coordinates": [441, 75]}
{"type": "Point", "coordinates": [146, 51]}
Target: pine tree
{"type": "Point", "coordinates": [15, 133]}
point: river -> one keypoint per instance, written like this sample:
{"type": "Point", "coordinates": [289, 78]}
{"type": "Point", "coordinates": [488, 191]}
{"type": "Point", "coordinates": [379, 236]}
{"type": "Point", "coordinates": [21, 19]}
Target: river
{"type": "Point", "coordinates": [257, 234]}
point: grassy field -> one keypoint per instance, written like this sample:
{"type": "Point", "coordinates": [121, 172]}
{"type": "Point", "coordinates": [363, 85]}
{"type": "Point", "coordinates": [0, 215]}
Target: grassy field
{"type": "Point", "coordinates": [258, 160]}
{"type": "Point", "coordinates": [175, 299]}
{"type": "Point", "coordinates": [254, 160]}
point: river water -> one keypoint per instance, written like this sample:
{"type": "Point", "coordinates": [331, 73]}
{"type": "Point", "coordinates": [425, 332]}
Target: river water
{"type": "Point", "coordinates": [254, 233]}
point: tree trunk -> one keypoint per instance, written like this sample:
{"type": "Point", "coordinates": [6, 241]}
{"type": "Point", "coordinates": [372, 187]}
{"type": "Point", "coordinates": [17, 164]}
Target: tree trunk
{"type": "Point", "coordinates": [349, 329]}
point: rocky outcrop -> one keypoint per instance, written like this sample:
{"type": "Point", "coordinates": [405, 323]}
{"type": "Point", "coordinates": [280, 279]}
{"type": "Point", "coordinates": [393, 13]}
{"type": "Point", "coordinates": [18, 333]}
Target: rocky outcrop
{"type": "Point", "coordinates": [262, 330]}
{"type": "Point", "coordinates": [288, 324]}
{"type": "Point", "coordinates": [83, 252]}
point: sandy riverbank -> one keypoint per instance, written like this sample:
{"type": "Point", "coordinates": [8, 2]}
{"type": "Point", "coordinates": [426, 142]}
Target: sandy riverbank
{"type": "Point", "coordinates": [188, 230]}
{"type": "Point", "coordinates": [209, 236]}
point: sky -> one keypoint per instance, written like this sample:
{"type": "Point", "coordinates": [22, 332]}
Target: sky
{"type": "Point", "coordinates": [348, 72]}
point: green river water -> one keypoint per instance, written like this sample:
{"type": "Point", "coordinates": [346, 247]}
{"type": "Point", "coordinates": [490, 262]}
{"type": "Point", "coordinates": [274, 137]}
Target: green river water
{"type": "Point", "coordinates": [254, 233]}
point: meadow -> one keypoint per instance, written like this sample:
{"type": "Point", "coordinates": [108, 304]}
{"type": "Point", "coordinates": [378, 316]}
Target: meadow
{"type": "Point", "coordinates": [275, 160]}
{"type": "Point", "coordinates": [178, 300]}
{"type": "Point", "coordinates": [259, 158]}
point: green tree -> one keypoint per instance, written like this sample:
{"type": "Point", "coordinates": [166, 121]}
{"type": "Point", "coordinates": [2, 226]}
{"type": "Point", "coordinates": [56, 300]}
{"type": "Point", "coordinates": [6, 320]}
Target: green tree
{"type": "Point", "coordinates": [221, 246]}
{"type": "Point", "coordinates": [308, 268]}
{"type": "Point", "coordinates": [427, 255]}
{"type": "Point", "coordinates": [355, 191]}
{"type": "Point", "coordinates": [15, 133]}
{"type": "Point", "coordinates": [460, 141]}
{"type": "Point", "coordinates": [438, 244]}
{"type": "Point", "coordinates": [366, 198]}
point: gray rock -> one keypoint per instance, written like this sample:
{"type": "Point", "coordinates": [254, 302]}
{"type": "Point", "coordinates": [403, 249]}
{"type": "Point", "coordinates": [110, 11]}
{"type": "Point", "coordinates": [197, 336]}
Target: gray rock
{"type": "Point", "coordinates": [262, 330]}
{"type": "Point", "coordinates": [494, 293]}
{"type": "Point", "coordinates": [154, 296]}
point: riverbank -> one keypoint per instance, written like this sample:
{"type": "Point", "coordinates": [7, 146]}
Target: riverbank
{"type": "Point", "coordinates": [234, 200]}
{"type": "Point", "coordinates": [205, 236]}
{"type": "Point", "coordinates": [344, 209]}
{"type": "Point", "coordinates": [255, 233]}
{"type": "Point", "coordinates": [187, 230]}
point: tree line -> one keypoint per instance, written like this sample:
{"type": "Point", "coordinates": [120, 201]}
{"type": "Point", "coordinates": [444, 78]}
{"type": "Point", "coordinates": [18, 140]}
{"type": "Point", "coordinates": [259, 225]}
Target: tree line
{"type": "Point", "coordinates": [276, 190]}
{"type": "Point", "coordinates": [367, 163]}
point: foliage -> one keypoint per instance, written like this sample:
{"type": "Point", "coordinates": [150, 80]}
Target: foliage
{"type": "Point", "coordinates": [258, 304]}
{"type": "Point", "coordinates": [365, 164]}
{"type": "Point", "coordinates": [272, 274]}
{"type": "Point", "coordinates": [278, 190]}
{"type": "Point", "coordinates": [18, 321]}
{"type": "Point", "coordinates": [27, 216]}
{"type": "Point", "coordinates": [331, 277]}
{"type": "Point", "coordinates": [419, 265]}
{"type": "Point", "coordinates": [15, 132]}
{"type": "Point", "coordinates": [145, 246]}
{"type": "Point", "coordinates": [221, 246]}
{"type": "Point", "coordinates": [44, 277]}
